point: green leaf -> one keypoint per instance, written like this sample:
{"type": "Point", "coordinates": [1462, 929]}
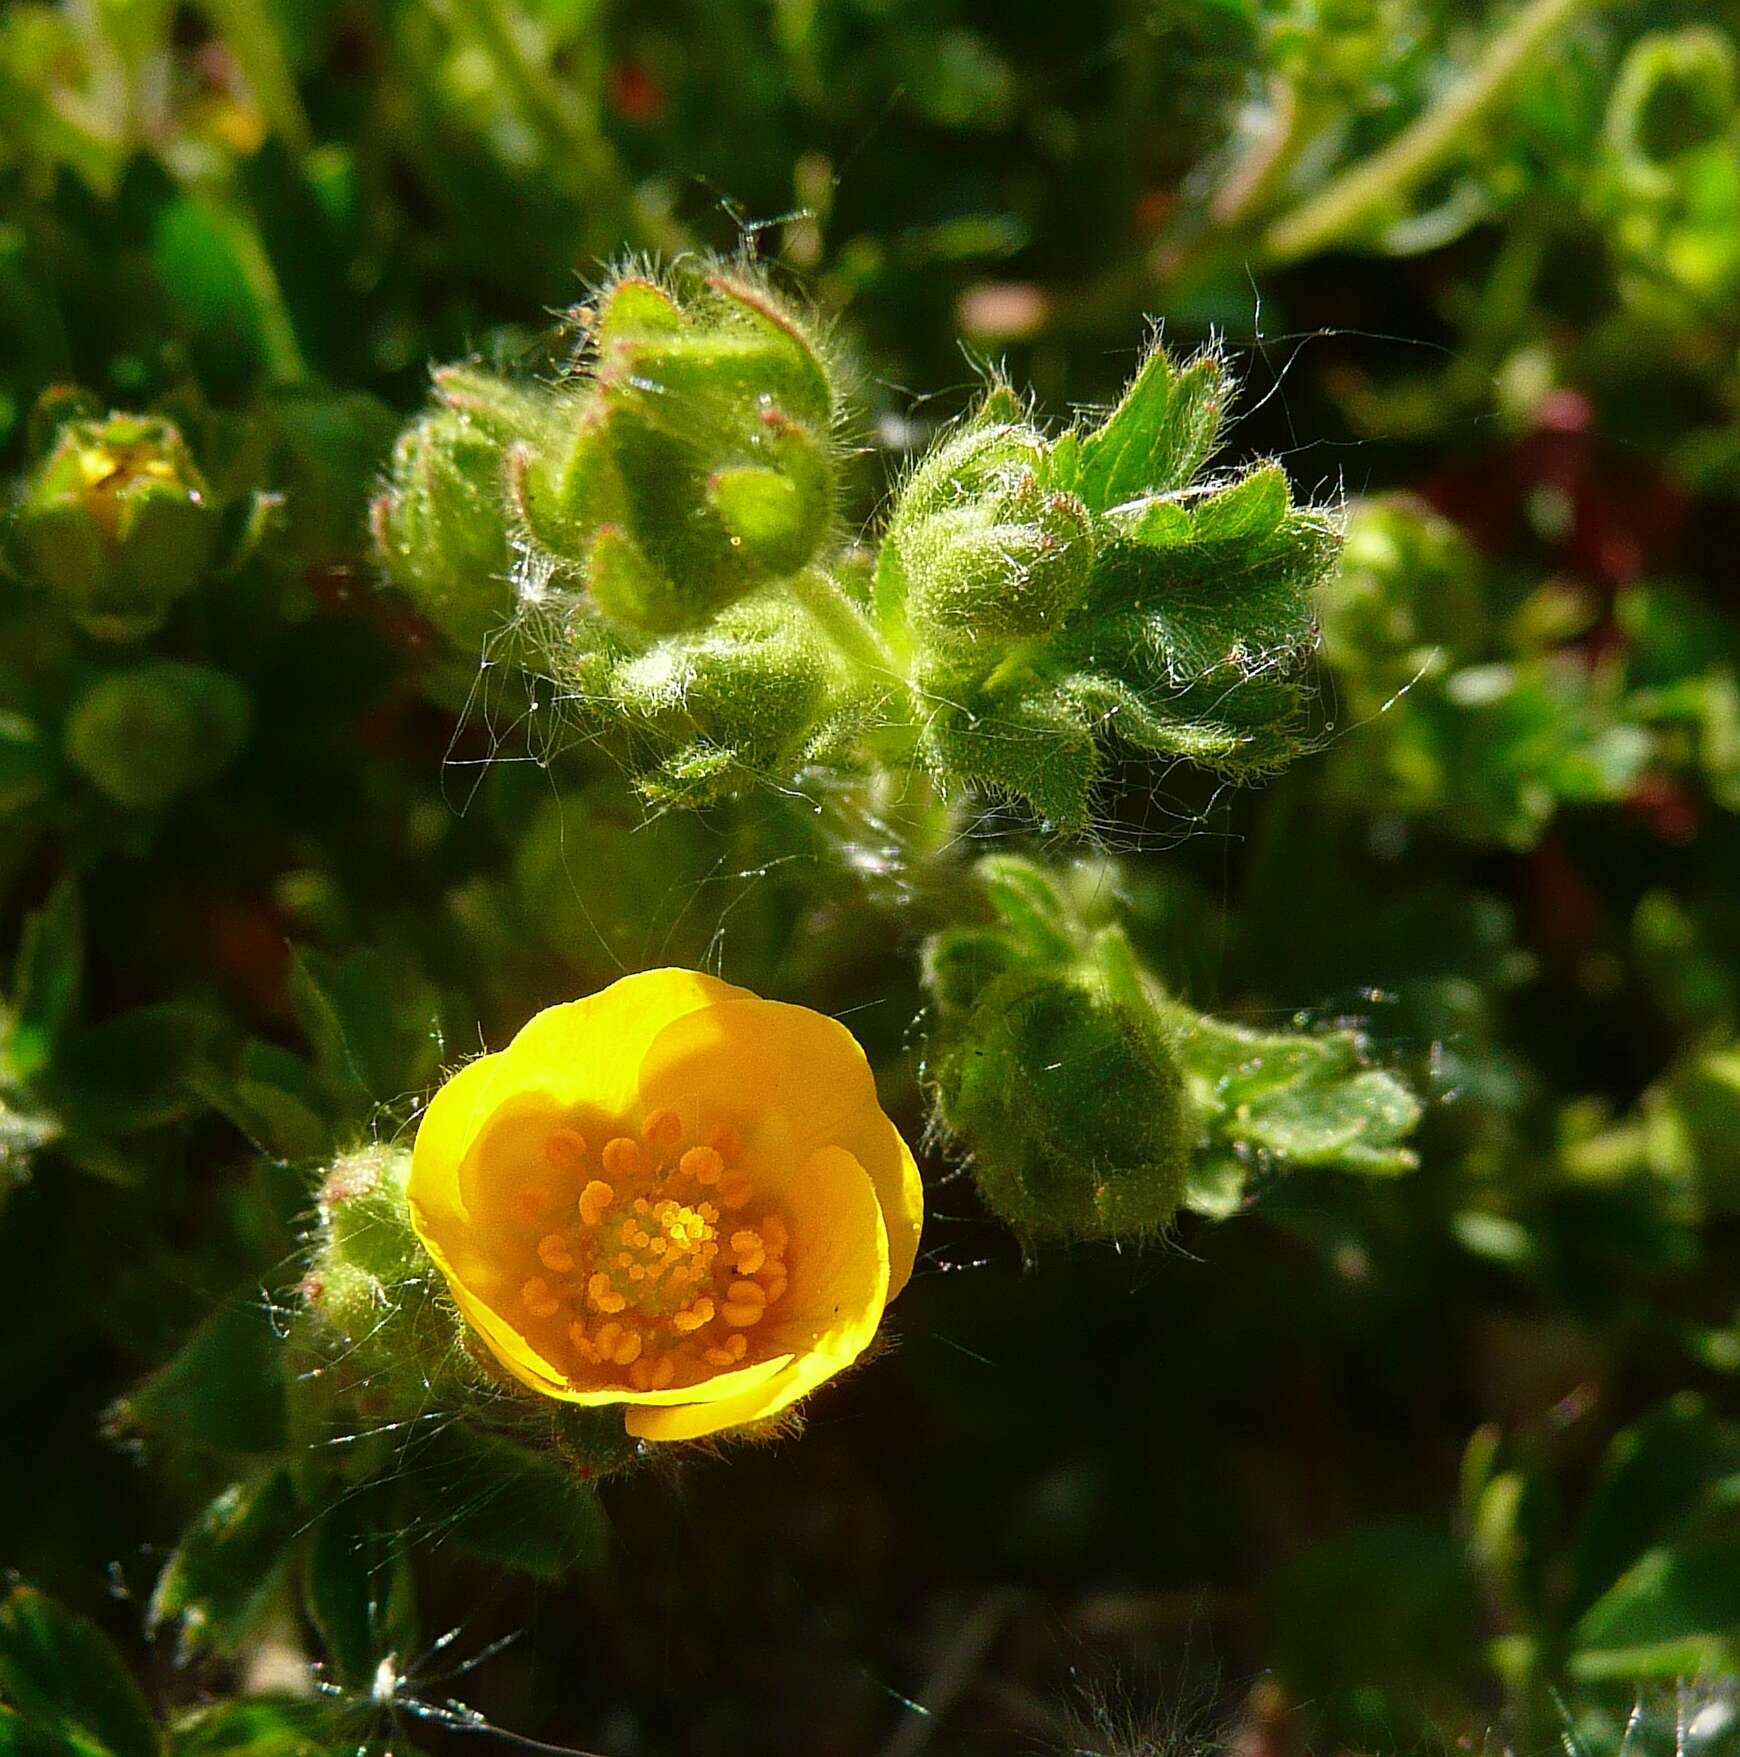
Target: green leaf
{"type": "Point", "coordinates": [358, 1586]}
{"type": "Point", "coordinates": [131, 1072]}
{"type": "Point", "coordinates": [64, 1677]}
{"type": "Point", "coordinates": [372, 1027]}
{"type": "Point", "coordinates": [45, 989]}
{"type": "Point", "coordinates": [1159, 436]}
{"type": "Point", "coordinates": [262, 1727]}
{"type": "Point", "coordinates": [228, 1568]}
{"type": "Point", "coordinates": [1672, 1594]}
{"type": "Point", "coordinates": [222, 1391]}
{"type": "Point", "coordinates": [516, 1508]}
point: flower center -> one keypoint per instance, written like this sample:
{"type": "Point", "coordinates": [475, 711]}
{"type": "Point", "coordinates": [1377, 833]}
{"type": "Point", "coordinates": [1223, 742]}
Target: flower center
{"type": "Point", "coordinates": [652, 1259]}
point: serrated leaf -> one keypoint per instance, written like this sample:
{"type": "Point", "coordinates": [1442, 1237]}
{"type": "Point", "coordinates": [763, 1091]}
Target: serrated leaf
{"type": "Point", "coordinates": [222, 1391]}
{"type": "Point", "coordinates": [67, 1682]}
{"type": "Point", "coordinates": [1159, 436]}
{"type": "Point", "coordinates": [229, 1566]}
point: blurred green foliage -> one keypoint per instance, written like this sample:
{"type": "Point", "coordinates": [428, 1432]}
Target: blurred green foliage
{"type": "Point", "coordinates": [1421, 1461]}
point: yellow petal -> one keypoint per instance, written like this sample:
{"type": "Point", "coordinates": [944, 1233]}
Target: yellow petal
{"type": "Point", "coordinates": [793, 1081]}
{"type": "Point", "coordinates": [838, 1290]}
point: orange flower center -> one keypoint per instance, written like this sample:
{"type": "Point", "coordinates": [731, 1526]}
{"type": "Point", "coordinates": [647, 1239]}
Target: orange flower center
{"type": "Point", "coordinates": [653, 1260]}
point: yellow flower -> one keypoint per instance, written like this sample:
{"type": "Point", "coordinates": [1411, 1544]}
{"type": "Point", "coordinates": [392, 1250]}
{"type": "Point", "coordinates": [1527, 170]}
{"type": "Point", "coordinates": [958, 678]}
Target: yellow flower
{"type": "Point", "coordinates": [671, 1195]}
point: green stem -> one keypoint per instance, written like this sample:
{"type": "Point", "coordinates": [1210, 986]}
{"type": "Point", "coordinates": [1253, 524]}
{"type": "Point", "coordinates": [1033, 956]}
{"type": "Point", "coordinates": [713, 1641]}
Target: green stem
{"type": "Point", "coordinates": [564, 123]}
{"type": "Point", "coordinates": [1368, 188]}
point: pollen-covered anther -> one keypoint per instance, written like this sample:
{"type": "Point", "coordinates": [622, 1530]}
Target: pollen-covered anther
{"type": "Point", "coordinates": [583, 1344]}
{"type": "Point", "coordinates": [741, 1313]}
{"type": "Point", "coordinates": [774, 1235]}
{"type": "Point", "coordinates": [735, 1191]}
{"type": "Point", "coordinates": [749, 1250]}
{"type": "Point", "coordinates": [729, 1352]}
{"type": "Point", "coordinates": [601, 1296]}
{"type": "Point", "coordinates": [622, 1157]}
{"type": "Point", "coordinates": [539, 1300]}
{"type": "Point", "coordinates": [594, 1200]}
{"type": "Point", "coordinates": [565, 1149]}
{"type": "Point", "coordinates": [652, 1372]}
{"type": "Point", "coordinates": [619, 1343]}
{"type": "Point", "coordinates": [703, 1164]}
{"type": "Point", "coordinates": [692, 1318]}
{"type": "Point", "coordinates": [554, 1254]}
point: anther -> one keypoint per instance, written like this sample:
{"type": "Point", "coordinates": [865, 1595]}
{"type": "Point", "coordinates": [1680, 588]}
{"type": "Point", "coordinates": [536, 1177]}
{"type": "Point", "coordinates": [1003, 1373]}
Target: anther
{"type": "Point", "coordinates": [774, 1235]}
{"type": "Point", "coordinates": [725, 1141]}
{"type": "Point", "coordinates": [652, 1374]}
{"type": "Point", "coordinates": [700, 1313]}
{"type": "Point", "coordinates": [703, 1164]}
{"type": "Point", "coordinates": [621, 1157]}
{"type": "Point", "coordinates": [750, 1252]}
{"type": "Point", "coordinates": [602, 1296]}
{"type": "Point", "coordinates": [565, 1149]}
{"type": "Point", "coordinates": [775, 1282]}
{"type": "Point", "coordinates": [736, 1190]}
{"type": "Point", "coordinates": [740, 1313]}
{"type": "Point", "coordinates": [554, 1254]}
{"type": "Point", "coordinates": [662, 1128]}
{"type": "Point", "coordinates": [582, 1343]}
{"type": "Point", "coordinates": [594, 1199]}
{"type": "Point", "coordinates": [729, 1352]}
{"type": "Point", "coordinates": [748, 1293]}
{"type": "Point", "coordinates": [540, 1302]}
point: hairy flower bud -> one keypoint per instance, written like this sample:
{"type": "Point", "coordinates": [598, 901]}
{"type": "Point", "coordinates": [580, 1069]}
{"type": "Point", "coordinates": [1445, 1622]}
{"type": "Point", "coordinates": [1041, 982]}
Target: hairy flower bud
{"type": "Point", "coordinates": [147, 734]}
{"type": "Point", "coordinates": [1074, 1104]}
{"type": "Point", "coordinates": [442, 527]}
{"type": "Point", "coordinates": [694, 461]}
{"type": "Point", "coordinates": [117, 522]}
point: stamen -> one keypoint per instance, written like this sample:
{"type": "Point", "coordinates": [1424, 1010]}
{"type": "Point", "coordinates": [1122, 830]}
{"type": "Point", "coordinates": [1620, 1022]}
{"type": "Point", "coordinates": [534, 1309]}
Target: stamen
{"type": "Point", "coordinates": [701, 1312]}
{"type": "Point", "coordinates": [726, 1142]}
{"type": "Point", "coordinates": [648, 1373]}
{"type": "Point", "coordinates": [735, 1191]}
{"type": "Point", "coordinates": [602, 1296]}
{"type": "Point", "coordinates": [554, 1254]}
{"type": "Point", "coordinates": [729, 1352]}
{"type": "Point", "coordinates": [565, 1149]}
{"type": "Point", "coordinates": [662, 1128]}
{"type": "Point", "coordinates": [749, 1250]}
{"type": "Point", "coordinates": [594, 1199]}
{"type": "Point", "coordinates": [540, 1302]}
{"type": "Point", "coordinates": [703, 1164]}
{"type": "Point", "coordinates": [748, 1293]}
{"type": "Point", "coordinates": [774, 1235]}
{"type": "Point", "coordinates": [740, 1313]}
{"type": "Point", "coordinates": [621, 1157]}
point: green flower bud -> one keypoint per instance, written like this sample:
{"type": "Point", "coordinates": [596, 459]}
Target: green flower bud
{"type": "Point", "coordinates": [696, 463]}
{"type": "Point", "coordinates": [145, 735]}
{"type": "Point", "coordinates": [1407, 594]}
{"type": "Point", "coordinates": [1072, 1102]}
{"type": "Point", "coordinates": [443, 531]}
{"type": "Point", "coordinates": [756, 693]}
{"type": "Point", "coordinates": [117, 522]}
{"type": "Point", "coordinates": [985, 552]}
